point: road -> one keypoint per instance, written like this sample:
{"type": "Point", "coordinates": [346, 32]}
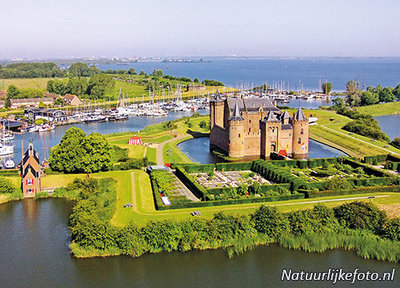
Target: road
{"type": "Point", "coordinates": [160, 149]}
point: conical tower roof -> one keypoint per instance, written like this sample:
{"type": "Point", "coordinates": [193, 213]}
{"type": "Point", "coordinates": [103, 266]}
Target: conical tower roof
{"type": "Point", "coordinates": [299, 116]}
{"type": "Point", "coordinates": [271, 117]}
{"type": "Point", "coordinates": [217, 96]}
{"type": "Point", "coordinates": [236, 113]}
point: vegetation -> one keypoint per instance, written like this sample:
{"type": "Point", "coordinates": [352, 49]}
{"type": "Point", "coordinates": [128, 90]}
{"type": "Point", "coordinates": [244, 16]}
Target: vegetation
{"type": "Point", "coordinates": [396, 142]}
{"type": "Point", "coordinates": [79, 153]}
{"type": "Point", "coordinates": [313, 230]}
{"type": "Point", "coordinates": [212, 83]}
{"type": "Point", "coordinates": [363, 124]}
{"type": "Point", "coordinates": [30, 70]}
{"type": "Point", "coordinates": [6, 186]}
{"type": "Point", "coordinates": [326, 87]}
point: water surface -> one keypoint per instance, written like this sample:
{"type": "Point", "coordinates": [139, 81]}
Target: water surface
{"type": "Point", "coordinates": [198, 150]}
{"type": "Point", "coordinates": [34, 252]}
{"type": "Point", "coordinates": [390, 124]}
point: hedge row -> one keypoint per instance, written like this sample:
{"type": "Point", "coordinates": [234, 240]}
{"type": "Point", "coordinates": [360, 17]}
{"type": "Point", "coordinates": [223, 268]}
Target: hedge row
{"type": "Point", "coordinates": [193, 168]}
{"type": "Point", "coordinates": [368, 169]}
{"type": "Point", "coordinates": [375, 159]}
{"type": "Point", "coordinates": [395, 166]}
{"type": "Point", "coordinates": [277, 174]}
{"type": "Point", "coordinates": [156, 194]}
{"type": "Point", "coordinates": [303, 164]}
{"type": "Point", "coordinates": [198, 190]}
{"type": "Point", "coordinates": [263, 188]}
{"type": "Point", "coordinates": [357, 182]}
{"type": "Point", "coordinates": [239, 166]}
{"type": "Point", "coordinates": [359, 190]}
{"type": "Point", "coordinates": [233, 201]}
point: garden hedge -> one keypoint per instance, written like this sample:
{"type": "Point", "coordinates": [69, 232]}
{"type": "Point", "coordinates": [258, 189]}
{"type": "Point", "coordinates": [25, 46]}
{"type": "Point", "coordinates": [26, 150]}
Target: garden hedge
{"type": "Point", "coordinates": [359, 190]}
{"type": "Point", "coordinates": [198, 190]}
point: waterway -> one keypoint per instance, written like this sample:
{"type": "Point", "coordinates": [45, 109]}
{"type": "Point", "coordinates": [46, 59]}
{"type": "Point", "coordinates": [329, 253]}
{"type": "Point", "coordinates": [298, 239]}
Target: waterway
{"type": "Point", "coordinates": [293, 72]}
{"type": "Point", "coordinates": [198, 150]}
{"type": "Point", "coordinates": [34, 240]}
{"type": "Point", "coordinates": [390, 124]}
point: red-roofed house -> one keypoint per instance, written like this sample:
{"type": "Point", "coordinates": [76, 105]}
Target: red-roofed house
{"type": "Point", "coordinates": [72, 100]}
{"type": "Point", "coordinates": [135, 140]}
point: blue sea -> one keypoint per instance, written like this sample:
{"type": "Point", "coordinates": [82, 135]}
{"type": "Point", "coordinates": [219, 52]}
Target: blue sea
{"type": "Point", "coordinates": [293, 73]}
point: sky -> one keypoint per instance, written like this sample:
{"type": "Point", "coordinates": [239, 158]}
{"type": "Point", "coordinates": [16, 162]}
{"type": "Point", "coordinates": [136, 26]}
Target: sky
{"type": "Point", "coordinates": [127, 28]}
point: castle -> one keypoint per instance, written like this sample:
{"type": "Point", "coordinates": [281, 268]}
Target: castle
{"type": "Point", "coordinates": [255, 127]}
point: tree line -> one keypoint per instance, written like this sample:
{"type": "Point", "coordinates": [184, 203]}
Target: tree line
{"type": "Point", "coordinates": [357, 97]}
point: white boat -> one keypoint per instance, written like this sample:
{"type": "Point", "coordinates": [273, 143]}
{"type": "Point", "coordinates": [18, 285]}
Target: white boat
{"type": "Point", "coordinates": [6, 136]}
{"type": "Point", "coordinates": [6, 149]}
{"type": "Point", "coordinates": [46, 127]}
{"type": "Point", "coordinates": [9, 164]}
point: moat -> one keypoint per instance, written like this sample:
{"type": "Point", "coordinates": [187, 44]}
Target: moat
{"type": "Point", "coordinates": [198, 150]}
{"type": "Point", "coordinates": [34, 240]}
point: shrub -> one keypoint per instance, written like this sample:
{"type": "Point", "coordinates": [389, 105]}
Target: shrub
{"type": "Point", "coordinates": [6, 186]}
{"type": "Point", "coordinates": [337, 183]}
{"type": "Point", "coordinates": [360, 215]}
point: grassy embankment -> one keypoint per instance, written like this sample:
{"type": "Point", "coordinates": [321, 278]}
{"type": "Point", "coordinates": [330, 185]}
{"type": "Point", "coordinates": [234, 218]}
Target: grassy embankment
{"type": "Point", "coordinates": [329, 131]}
{"type": "Point", "coordinates": [391, 108]}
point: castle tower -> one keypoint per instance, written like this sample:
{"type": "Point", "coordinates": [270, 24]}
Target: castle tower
{"type": "Point", "coordinates": [300, 135]}
{"type": "Point", "coordinates": [236, 133]}
{"type": "Point", "coordinates": [30, 172]}
{"type": "Point", "coordinates": [217, 110]}
{"type": "Point", "coordinates": [270, 134]}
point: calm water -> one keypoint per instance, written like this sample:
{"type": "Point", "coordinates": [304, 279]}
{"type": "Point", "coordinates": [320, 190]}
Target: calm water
{"type": "Point", "coordinates": [390, 124]}
{"type": "Point", "coordinates": [52, 138]}
{"type": "Point", "coordinates": [198, 150]}
{"type": "Point", "coordinates": [293, 72]}
{"type": "Point", "coordinates": [34, 252]}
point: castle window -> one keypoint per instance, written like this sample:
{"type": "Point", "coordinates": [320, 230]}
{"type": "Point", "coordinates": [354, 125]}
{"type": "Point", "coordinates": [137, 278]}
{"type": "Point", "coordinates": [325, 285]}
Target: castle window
{"type": "Point", "coordinates": [299, 141]}
{"type": "Point", "coordinates": [249, 129]}
{"type": "Point", "coordinates": [302, 131]}
{"type": "Point", "coordinates": [29, 181]}
{"type": "Point", "coordinates": [30, 190]}
{"type": "Point", "coordinates": [249, 121]}
{"type": "Point", "coordinates": [273, 129]}
{"type": "Point", "coordinates": [239, 135]}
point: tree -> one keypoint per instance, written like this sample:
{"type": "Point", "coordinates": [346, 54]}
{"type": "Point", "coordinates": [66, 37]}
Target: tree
{"type": "Point", "coordinates": [78, 153]}
{"type": "Point", "coordinates": [56, 86]}
{"type": "Point", "coordinates": [13, 92]}
{"type": "Point", "coordinates": [326, 87]}
{"type": "Point", "coordinates": [99, 85]}
{"type": "Point", "coordinates": [338, 103]}
{"type": "Point", "coordinates": [132, 71]}
{"type": "Point", "coordinates": [391, 229]}
{"type": "Point", "coordinates": [158, 73]}
{"type": "Point", "coordinates": [97, 153]}
{"type": "Point", "coordinates": [369, 98]}
{"type": "Point", "coordinates": [76, 86]}
{"type": "Point", "coordinates": [360, 215]}
{"type": "Point", "coordinates": [386, 95]}
{"type": "Point", "coordinates": [79, 70]}
{"type": "Point", "coordinates": [269, 221]}
{"type": "Point", "coordinates": [142, 72]}
{"type": "Point", "coordinates": [353, 93]}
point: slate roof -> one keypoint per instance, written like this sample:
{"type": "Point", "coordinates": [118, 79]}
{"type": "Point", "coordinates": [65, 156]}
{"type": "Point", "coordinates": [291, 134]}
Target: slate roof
{"type": "Point", "coordinates": [236, 113]}
{"type": "Point", "coordinates": [299, 116]}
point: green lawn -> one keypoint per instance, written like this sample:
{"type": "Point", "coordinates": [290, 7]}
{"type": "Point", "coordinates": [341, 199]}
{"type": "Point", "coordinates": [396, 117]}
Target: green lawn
{"type": "Point", "coordinates": [151, 154]}
{"type": "Point", "coordinates": [354, 145]}
{"type": "Point", "coordinates": [172, 154]}
{"type": "Point", "coordinates": [381, 109]}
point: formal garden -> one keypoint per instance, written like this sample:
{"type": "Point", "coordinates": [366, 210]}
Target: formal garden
{"type": "Point", "coordinates": [277, 180]}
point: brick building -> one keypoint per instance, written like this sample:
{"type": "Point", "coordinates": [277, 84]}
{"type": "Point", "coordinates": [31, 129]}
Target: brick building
{"type": "Point", "coordinates": [256, 127]}
{"type": "Point", "coordinates": [30, 172]}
